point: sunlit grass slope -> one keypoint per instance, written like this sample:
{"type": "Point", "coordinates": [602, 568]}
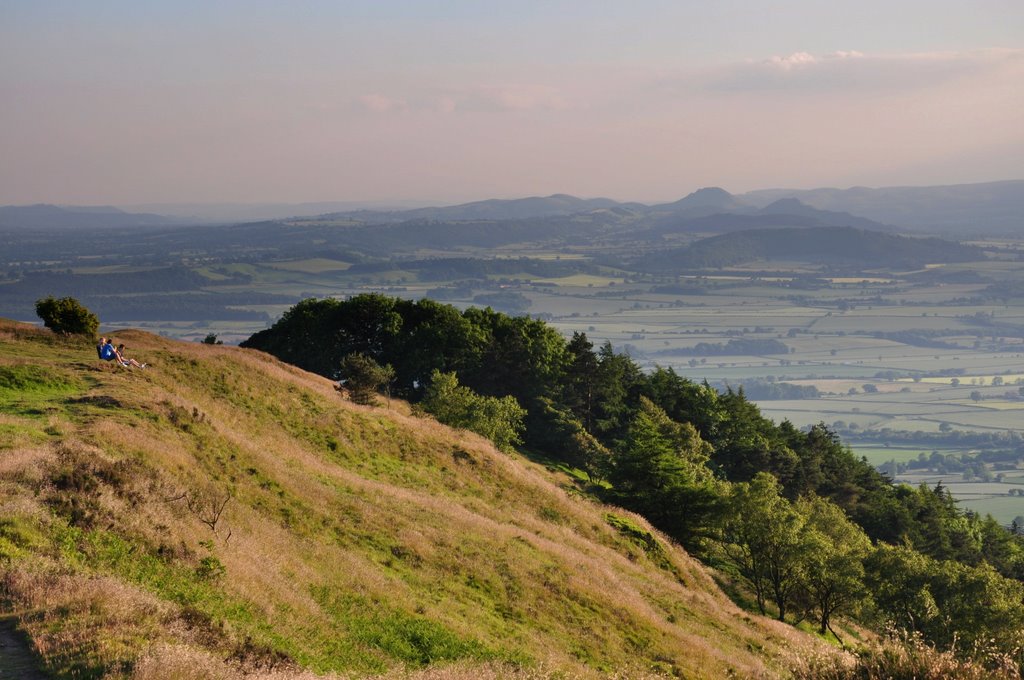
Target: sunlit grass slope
{"type": "Point", "coordinates": [222, 514]}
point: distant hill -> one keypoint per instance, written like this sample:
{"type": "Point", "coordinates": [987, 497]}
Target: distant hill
{"type": "Point", "coordinates": [221, 514]}
{"type": "Point", "coordinates": [45, 216]}
{"type": "Point", "coordinates": [703, 202]}
{"type": "Point", "coordinates": [990, 207]}
{"type": "Point", "coordinates": [829, 218]}
{"type": "Point", "coordinates": [493, 209]}
{"type": "Point", "coordinates": [703, 217]}
{"type": "Point", "coordinates": [823, 245]}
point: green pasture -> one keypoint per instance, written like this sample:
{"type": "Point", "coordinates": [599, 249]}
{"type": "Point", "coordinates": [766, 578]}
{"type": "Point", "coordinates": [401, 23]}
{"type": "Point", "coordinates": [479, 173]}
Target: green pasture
{"type": "Point", "coordinates": [316, 265]}
{"type": "Point", "coordinates": [879, 455]}
{"type": "Point", "coordinates": [586, 280]}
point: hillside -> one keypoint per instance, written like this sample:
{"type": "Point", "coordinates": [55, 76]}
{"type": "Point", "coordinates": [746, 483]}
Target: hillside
{"type": "Point", "coordinates": [222, 513]}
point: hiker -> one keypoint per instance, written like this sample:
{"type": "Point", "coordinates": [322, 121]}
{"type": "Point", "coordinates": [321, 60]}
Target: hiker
{"type": "Point", "coordinates": [125, 361]}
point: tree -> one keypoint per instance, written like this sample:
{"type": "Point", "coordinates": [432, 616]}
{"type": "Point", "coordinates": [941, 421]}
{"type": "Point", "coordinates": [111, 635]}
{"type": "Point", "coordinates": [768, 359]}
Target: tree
{"type": "Point", "coordinates": [67, 316]}
{"type": "Point", "coordinates": [660, 471]}
{"type": "Point", "coordinates": [834, 559]}
{"type": "Point", "coordinates": [580, 376]}
{"type": "Point", "coordinates": [364, 377]}
{"type": "Point", "coordinates": [763, 539]}
{"type": "Point", "coordinates": [900, 581]}
{"type": "Point", "coordinates": [500, 420]}
{"type": "Point", "coordinates": [211, 339]}
{"type": "Point", "coordinates": [953, 605]}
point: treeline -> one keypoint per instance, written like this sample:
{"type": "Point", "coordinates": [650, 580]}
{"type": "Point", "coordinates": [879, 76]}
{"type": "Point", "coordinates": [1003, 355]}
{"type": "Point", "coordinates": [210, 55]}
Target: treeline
{"type": "Point", "coordinates": [767, 390]}
{"type": "Point", "coordinates": [813, 530]}
{"type": "Point", "coordinates": [946, 437]}
{"type": "Point", "coordinates": [739, 346]}
{"type": "Point", "coordinates": [455, 268]}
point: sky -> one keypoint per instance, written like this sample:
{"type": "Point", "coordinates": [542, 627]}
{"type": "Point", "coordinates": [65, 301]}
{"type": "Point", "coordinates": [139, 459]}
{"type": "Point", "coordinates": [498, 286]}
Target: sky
{"type": "Point", "coordinates": [123, 103]}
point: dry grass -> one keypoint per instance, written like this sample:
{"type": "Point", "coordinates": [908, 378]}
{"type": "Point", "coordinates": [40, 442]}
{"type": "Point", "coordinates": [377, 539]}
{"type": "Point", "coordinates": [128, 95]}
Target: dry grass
{"type": "Point", "coordinates": [347, 527]}
{"type": "Point", "coordinates": [902, 656]}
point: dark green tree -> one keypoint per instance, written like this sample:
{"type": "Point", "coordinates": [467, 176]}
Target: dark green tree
{"type": "Point", "coordinates": [304, 337]}
{"type": "Point", "coordinates": [747, 443]}
{"type": "Point", "coordinates": [433, 336]}
{"type": "Point", "coordinates": [616, 390]}
{"type": "Point", "coordinates": [685, 401]}
{"type": "Point", "coordinates": [67, 316]}
{"type": "Point", "coordinates": [660, 471]}
{"type": "Point", "coordinates": [364, 378]}
{"type": "Point", "coordinates": [580, 379]}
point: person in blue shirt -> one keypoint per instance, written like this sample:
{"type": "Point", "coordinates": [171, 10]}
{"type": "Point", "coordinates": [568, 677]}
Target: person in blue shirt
{"type": "Point", "coordinates": [105, 349]}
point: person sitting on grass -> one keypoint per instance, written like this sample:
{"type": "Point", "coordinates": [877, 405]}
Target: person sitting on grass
{"type": "Point", "coordinates": [125, 361]}
{"type": "Point", "coordinates": [105, 349]}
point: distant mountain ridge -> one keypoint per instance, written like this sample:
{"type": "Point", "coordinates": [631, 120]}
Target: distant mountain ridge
{"type": "Point", "coordinates": [519, 208]}
{"type": "Point", "coordinates": [821, 245]}
{"type": "Point", "coordinates": [966, 209]}
{"type": "Point", "coordinates": [46, 216]}
{"type": "Point", "coordinates": [989, 207]}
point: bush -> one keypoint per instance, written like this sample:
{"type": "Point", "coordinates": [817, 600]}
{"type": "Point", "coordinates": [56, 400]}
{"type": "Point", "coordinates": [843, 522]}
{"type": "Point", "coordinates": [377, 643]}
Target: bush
{"type": "Point", "coordinates": [67, 316]}
{"type": "Point", "coordinates": [363, 377]}
{"type": "Point", "coordinates": [500, 420]}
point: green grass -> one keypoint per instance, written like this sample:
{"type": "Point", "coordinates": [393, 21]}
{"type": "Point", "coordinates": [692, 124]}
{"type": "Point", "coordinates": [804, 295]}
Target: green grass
{"type": "Point", "coordinates": [354, 540]}
{"type": "Point", "coordinates": [412, 639]}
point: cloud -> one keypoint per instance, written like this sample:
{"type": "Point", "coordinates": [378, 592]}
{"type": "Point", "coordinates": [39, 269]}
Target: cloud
{"type": "Point", "coordinates": [794, 60]}
{"type": "Point", "coordinates": [850, 69]}
{"type": "Point", "coordinates": [379, 103]}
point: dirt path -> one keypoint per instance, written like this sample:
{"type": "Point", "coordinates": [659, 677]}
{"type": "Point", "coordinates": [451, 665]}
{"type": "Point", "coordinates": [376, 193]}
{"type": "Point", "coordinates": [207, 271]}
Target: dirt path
{"type": "Point", "coordinates": [17, 662]}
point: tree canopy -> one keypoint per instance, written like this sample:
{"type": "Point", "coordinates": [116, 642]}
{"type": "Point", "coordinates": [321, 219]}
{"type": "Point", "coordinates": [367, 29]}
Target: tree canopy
{"type": "Point", "coordinates": [68, 316]}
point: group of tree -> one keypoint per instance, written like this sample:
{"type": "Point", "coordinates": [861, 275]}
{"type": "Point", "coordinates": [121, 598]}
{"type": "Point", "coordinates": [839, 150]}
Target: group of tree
{"type": "Point", "coordinates": [812, 529]}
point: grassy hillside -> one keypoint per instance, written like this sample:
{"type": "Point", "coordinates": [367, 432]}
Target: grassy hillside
{"type": "Point", "coordinates": [224, 514]}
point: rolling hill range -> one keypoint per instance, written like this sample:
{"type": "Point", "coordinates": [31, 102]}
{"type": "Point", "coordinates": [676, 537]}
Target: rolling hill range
{"type": "Point", "coordinates": [221, 514]}
{"type": "Point", "coordinates": [984, 208]}
{"type": "Point", "coordinates": [43, 216]}
{"type": "Point", "coordinates": [839, 246]}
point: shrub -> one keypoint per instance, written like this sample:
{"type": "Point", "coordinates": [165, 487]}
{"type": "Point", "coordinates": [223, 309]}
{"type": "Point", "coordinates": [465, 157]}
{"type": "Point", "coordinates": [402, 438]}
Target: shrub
{"type": "Point", "coordinates": [500, 420]}
{"type": "Point", "coordinates": [364, 377]}
{"type": "Point", "coordinates": [67, 316]}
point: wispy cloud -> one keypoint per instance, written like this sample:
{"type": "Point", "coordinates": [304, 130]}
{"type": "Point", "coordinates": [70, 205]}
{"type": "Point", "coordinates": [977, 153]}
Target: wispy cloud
{"type": "Point", "coordinates": [851, 69]}
{"type": "Point", "coordinates": [379, 103]}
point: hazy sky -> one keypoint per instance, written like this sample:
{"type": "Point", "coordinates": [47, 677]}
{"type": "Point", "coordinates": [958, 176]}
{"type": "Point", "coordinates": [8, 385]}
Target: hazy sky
{"type": "Point", "coordinates": [310, 100]}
